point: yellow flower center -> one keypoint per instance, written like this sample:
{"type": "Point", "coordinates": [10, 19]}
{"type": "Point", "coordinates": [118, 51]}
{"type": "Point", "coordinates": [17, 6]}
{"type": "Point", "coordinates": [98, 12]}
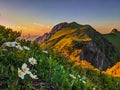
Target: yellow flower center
{"type": "Point", "coordinates": [32, 61]}
{"type": "Point", "coordinates": [25, 69]}
{"type": "Point", "coordinates": [19, 46]}
{"type": "Point", "coordinates": [20, 73]}
{"type": "Point", "coordinates": [11, 44]}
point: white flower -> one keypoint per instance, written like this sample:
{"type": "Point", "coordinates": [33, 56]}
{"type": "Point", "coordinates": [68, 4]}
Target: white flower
{"type": "Point", "coordinates": [32, 61]}
{"type": "Point", "coordinates": [10, 44]}
{"type": "Point", "coordinates": [72, 76]}
{"type": "Point", "coordinates": [26, 48]}
{"type": "Point", "coordinates": [25, 69]}
{"type": "Point", "coordinates": [19, 47]}
{"type": "Point", "coordinates": [44, 51]}
{"type": "Point", "coordinates": [21, 74]}
{"type": "Point", "coordinates": [94, 88]}
{"type": "Point", "coordinates": [33, 76]}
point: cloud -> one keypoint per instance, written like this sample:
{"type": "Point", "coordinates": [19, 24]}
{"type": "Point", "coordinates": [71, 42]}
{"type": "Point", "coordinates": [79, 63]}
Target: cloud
{"type": "Point", "coordinates": [42, 25]}
{"type": "Point", "coordinates": [49, 26]}
{"type": "Point", "coordinates": [38, 24]}
{"type": "Point", "coordinates": [22, 27]}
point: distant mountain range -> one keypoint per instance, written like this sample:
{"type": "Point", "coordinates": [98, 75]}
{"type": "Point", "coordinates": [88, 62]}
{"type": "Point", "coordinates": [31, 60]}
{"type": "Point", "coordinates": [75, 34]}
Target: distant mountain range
{"type": "Point", "coordinates": [83, 43]}
{"type": "Point", "coordinates": [29, 37]}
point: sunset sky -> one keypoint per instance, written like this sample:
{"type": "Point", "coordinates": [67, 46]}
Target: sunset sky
{"type": "Point", "coordinates": [39, 16]}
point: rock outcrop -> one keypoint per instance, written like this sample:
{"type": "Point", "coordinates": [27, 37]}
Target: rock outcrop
{"type": "Point", "coordinates": [94, 55]}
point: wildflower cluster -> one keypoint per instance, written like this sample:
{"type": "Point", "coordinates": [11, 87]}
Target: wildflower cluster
{"type": "Point", "coordinates": [24, 69]}
{"type": "Point", "coordinates": [16, 45]}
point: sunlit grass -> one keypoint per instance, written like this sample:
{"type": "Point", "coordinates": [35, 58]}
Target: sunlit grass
{"type": "Point", "coordinates": [62, 33]}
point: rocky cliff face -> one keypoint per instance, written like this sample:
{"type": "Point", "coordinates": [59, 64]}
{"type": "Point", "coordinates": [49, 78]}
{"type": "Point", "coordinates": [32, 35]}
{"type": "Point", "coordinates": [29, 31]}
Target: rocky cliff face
{"type": "Point", "coordinates": [94, 55]}
{"type": "Point", "coordinates": [70, 38]}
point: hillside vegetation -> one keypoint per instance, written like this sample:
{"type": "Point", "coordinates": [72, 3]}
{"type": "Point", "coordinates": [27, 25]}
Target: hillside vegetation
{"type": "Point", "coordinates": [24, 66]}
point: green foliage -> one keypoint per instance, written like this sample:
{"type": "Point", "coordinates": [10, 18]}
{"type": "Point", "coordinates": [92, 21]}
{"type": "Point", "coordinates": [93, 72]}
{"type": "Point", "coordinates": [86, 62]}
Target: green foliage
{"type": "Point", "coordinates": [6, 34]}
{"type": "Point", "coordinates": [49, 68]}
{"type": "Point", "coordinates": [103, 81]}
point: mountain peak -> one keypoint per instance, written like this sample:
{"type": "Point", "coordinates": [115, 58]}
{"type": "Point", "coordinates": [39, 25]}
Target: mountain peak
{"type": "Point", "coordinates": [65, 24]}
{"type": "Point", "coordinates": [115, 31]}
{"type": "Point", "coordinates": [60, 26]}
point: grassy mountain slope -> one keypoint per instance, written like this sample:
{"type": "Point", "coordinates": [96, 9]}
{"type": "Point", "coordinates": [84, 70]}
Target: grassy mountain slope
{"type": "Point", "coordinates": [114, 38]}
{"type": "Point", "coordinates": [82, 42]}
